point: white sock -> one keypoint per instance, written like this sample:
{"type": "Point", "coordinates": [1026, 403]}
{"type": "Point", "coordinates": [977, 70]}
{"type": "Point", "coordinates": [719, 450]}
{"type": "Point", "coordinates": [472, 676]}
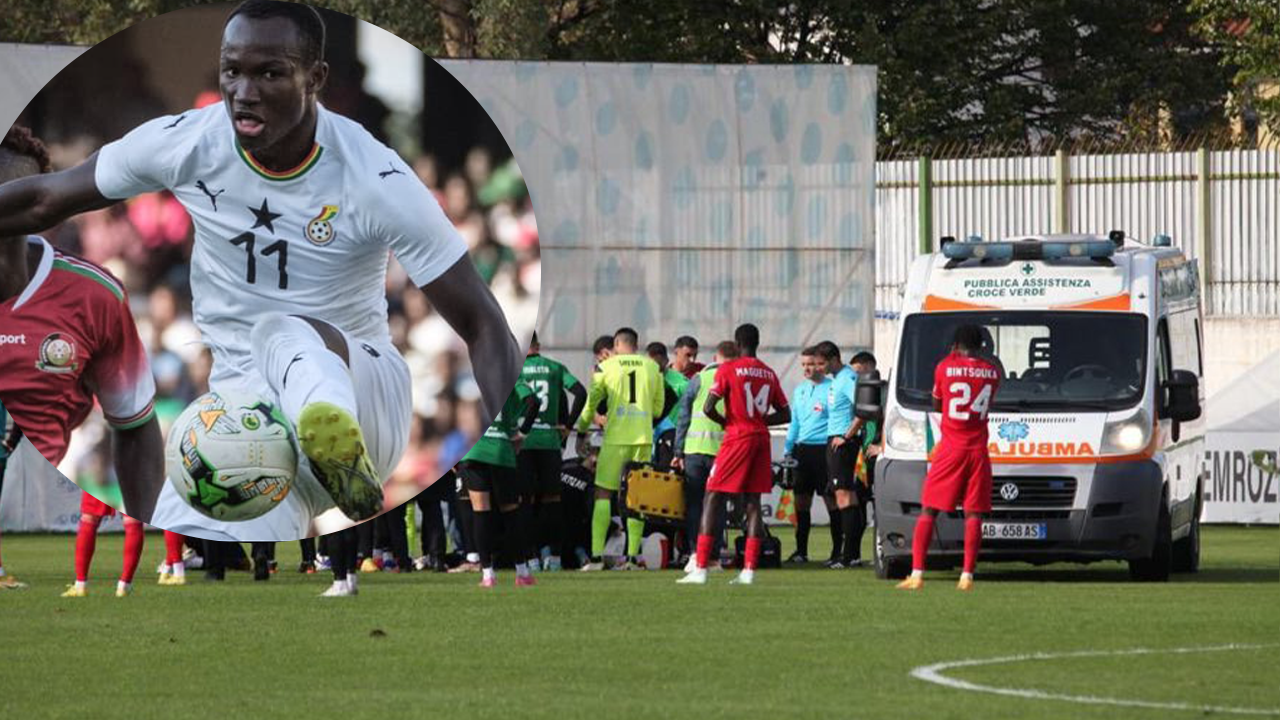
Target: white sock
{"type": "Point", "coordinates": [178, 569]}
{"type": "Point", "coordinates": [80, 584]}
{"type": "Point", "coordinates": [966, 576]}
{"type": "Point", "coordinates": [747, 575]}
{"type": "Point", "coordinates": [522, 569]}
{"type": "Point", "coordinates": [122, 585]}
{"type": "Point", "coordinates": [916, 574]}
{"type": "Point", "coordinates": [293, 358]}
{"type": "Point", "coordinates": [352, 580]}
{"type": "Point", "coordinates": [2, 573]}
{"type": "Point", "coordinates": [489, 573]}
{"type": "Point", "coordinates": [473, 557]}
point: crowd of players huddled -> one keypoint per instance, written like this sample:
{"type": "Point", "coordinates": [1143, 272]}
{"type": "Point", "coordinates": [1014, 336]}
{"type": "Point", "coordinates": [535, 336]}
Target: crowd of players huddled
{"type": "Point", "coordinates": [437, 531]}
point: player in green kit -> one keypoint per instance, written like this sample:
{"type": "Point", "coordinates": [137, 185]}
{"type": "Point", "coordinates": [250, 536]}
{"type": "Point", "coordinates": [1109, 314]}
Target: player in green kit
{"type": "Point", "coordinates": [540, 456]}
{"type": "Point", "coordinates": [488, 471]}
{"type": "Point", "coordinates": [664, 435]}
{"type": "Point", "coordinates": [634, 394]}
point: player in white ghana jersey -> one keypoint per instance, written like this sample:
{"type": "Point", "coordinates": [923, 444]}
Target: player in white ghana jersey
{"type": "Point", "coordinates": [295, 211]}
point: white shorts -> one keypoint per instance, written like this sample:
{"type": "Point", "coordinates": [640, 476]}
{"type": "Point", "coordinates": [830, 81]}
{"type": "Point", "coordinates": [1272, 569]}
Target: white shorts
{"type": "Point", "coordinates": [383, 394]}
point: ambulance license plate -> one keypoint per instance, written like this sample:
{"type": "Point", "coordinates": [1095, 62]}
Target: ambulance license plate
{"type": "Point", "coordinates": [1014, 531]}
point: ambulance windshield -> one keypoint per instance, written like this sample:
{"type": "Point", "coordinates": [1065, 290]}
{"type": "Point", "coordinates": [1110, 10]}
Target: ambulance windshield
{"type": "Point", "coordinates": [1049, 360]}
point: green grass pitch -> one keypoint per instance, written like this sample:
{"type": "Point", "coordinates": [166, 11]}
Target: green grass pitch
{"type": "Point", "coordinates": [801, 643]}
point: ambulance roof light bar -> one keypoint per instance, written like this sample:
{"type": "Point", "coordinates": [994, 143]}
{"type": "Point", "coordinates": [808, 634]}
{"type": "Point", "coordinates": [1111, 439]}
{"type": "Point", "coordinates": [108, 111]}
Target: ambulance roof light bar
{"type": "Point", "coordinates": [1029, 250]}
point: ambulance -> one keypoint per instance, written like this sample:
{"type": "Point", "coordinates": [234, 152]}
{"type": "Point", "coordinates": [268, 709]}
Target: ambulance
{"type": "Point", "coordinates": [1096, 432]}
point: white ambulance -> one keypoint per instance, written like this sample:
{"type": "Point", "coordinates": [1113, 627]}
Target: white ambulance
{"type": "Point", "coordinates": [1095, 433]}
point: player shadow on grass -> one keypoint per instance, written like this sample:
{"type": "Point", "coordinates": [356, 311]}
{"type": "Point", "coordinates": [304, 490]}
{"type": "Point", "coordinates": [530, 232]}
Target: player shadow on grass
{"type": "Point", "coordinates": [1120, 574]}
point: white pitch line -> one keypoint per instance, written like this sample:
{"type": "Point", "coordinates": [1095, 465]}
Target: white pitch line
{"type": "Point", "coordinates": [934, 674]}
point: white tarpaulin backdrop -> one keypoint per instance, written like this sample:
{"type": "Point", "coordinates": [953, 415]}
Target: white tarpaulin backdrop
{"type": "Point", "coordinates": [1241, 447]}
{"type": "Point", "coordinates": [26, 69]}
{"type": "Point", "coordinates": [36, 497]}
{"type": "Point", "coordinates": [686, 199]}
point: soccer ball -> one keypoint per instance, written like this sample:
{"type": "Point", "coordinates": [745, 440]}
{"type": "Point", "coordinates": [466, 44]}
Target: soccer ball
{"type": "Point", "coordinates": [231, 456]}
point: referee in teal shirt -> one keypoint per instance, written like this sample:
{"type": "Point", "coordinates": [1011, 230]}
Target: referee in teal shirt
{"type": "Point", "coordinates": [807, 444]}
{"type": "Point", "coordinates": [842, 454]}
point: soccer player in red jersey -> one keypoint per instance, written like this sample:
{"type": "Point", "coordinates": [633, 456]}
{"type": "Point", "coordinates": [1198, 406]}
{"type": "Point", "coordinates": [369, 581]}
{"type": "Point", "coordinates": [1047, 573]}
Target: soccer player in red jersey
{"type": "Point", "coordinates": [70, 339]}
{"type": "Point", "coordinates": [753, 400]}
{"type": "Point", "coordinates": [8, 443]}
{"type": "Point", "coordinates": [175, 569]}
{"type": "Point", "coordinates": [964, 383]}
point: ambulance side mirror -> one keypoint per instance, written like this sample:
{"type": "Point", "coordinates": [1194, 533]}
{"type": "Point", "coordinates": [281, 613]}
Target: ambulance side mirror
{"type": "Point", "coordinates": [1182, 396]}
{"type": "Point", "coordinates": [869, 396]}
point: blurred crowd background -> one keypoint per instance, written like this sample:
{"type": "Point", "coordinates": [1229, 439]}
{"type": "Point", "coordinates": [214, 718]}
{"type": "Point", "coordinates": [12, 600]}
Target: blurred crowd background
{"type": "Point", "coordinates": [147, 241]}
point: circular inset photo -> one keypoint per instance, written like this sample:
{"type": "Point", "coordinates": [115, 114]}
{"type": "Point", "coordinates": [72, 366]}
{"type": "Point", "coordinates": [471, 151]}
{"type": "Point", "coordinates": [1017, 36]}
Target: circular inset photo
{"type": "Point", "coordinates": [266, 271]}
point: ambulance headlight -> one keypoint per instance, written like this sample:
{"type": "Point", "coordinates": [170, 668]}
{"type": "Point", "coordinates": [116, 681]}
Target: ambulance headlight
{"type": "Point", "coordinates": [1127, 436]}
{"type": "Point", "coordinates": [905, 434]}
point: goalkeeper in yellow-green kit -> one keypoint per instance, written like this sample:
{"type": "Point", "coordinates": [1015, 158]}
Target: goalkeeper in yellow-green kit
{"type": "Point", "coordinates": [630, 387]}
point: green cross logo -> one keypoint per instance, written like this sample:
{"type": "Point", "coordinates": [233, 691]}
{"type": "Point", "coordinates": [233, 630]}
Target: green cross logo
{"type": "Point", "coordinates": [1028, 268]}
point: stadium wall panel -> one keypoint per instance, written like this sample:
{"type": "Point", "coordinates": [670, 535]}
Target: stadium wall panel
{"type": "Point", "coordinates": [685, 199]}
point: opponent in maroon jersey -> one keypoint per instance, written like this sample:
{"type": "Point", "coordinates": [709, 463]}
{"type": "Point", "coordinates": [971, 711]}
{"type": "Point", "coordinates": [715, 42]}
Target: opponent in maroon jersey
{"type": "Point", "coordinates": [964, 385]}
{"type": "Point", "coordinates": [753, 400]}
{"type": "Point", "coordinates": [68, 337]}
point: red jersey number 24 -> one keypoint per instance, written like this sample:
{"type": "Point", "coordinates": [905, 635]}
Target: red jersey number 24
{"type": "Point", "coordinates": [961, 404]}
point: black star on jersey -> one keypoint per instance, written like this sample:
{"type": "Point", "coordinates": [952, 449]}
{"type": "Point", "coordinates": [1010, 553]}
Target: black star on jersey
{"type": "Point", "coordinates": [264, 217]}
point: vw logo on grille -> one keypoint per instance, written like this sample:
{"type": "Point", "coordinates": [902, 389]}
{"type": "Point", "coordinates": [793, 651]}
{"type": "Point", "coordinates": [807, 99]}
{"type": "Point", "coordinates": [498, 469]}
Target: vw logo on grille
{"type": "Point", "coordinates": [1009, 491]}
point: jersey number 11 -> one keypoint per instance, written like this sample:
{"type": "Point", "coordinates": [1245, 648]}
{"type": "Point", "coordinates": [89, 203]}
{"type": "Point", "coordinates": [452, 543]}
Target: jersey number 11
{"type": "Point", "coordinates": [279, 247]}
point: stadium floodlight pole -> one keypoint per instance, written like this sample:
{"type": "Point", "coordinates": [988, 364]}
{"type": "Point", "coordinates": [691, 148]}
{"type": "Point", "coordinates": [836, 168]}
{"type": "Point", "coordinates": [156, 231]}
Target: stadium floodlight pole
{"type": "Point", "coordinates": [924, 186]}
{"type": "Point", "coordinates": [1204, 220]}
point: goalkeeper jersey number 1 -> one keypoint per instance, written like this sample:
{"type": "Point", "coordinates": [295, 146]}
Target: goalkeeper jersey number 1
{"type": "Point", "coordinates": [631, 387]}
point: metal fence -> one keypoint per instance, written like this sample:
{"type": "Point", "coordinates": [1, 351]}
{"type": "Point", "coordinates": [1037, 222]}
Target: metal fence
{"type": "Point", "coordinates": [1221, 206]}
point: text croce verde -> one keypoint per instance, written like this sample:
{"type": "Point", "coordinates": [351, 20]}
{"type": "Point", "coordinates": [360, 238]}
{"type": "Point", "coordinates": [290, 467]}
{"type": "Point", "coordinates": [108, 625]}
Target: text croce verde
{"type": "Point", "coordinates": [1021, 287]}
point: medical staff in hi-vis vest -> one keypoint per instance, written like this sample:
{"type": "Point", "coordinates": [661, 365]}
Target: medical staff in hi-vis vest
{"type": "Point", "coordinates": [697, 442]}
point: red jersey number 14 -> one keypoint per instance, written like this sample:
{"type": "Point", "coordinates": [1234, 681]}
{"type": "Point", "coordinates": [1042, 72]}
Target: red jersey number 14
{"type": "Point", "coordinates": [757, 402]}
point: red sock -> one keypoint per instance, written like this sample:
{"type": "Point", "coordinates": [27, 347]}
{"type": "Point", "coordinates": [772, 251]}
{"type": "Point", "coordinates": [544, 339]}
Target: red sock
{"type": "Point", "coordinates": [172, 547]}
{"type": "Point", "coordinates": [704, 550]}
{"type": "Point", "coordinates": [132, 550]}
{"type": "Point", "coordinates": [972, 542]}
{"type": "Point", "coordinates": [751, 555]}
{"type": "Point", "coordinates": [86, 539]}
{"type": "Point", "coordinates": [920, 541]}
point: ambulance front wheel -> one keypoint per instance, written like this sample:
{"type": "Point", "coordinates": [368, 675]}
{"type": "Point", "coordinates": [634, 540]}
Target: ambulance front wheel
{"type": "Point", "coordinates": [889, 568]}
{"type": "Point", "coordinates": [1186, 552]}
{"type": "Point", "coordinates": [1159, 564]}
